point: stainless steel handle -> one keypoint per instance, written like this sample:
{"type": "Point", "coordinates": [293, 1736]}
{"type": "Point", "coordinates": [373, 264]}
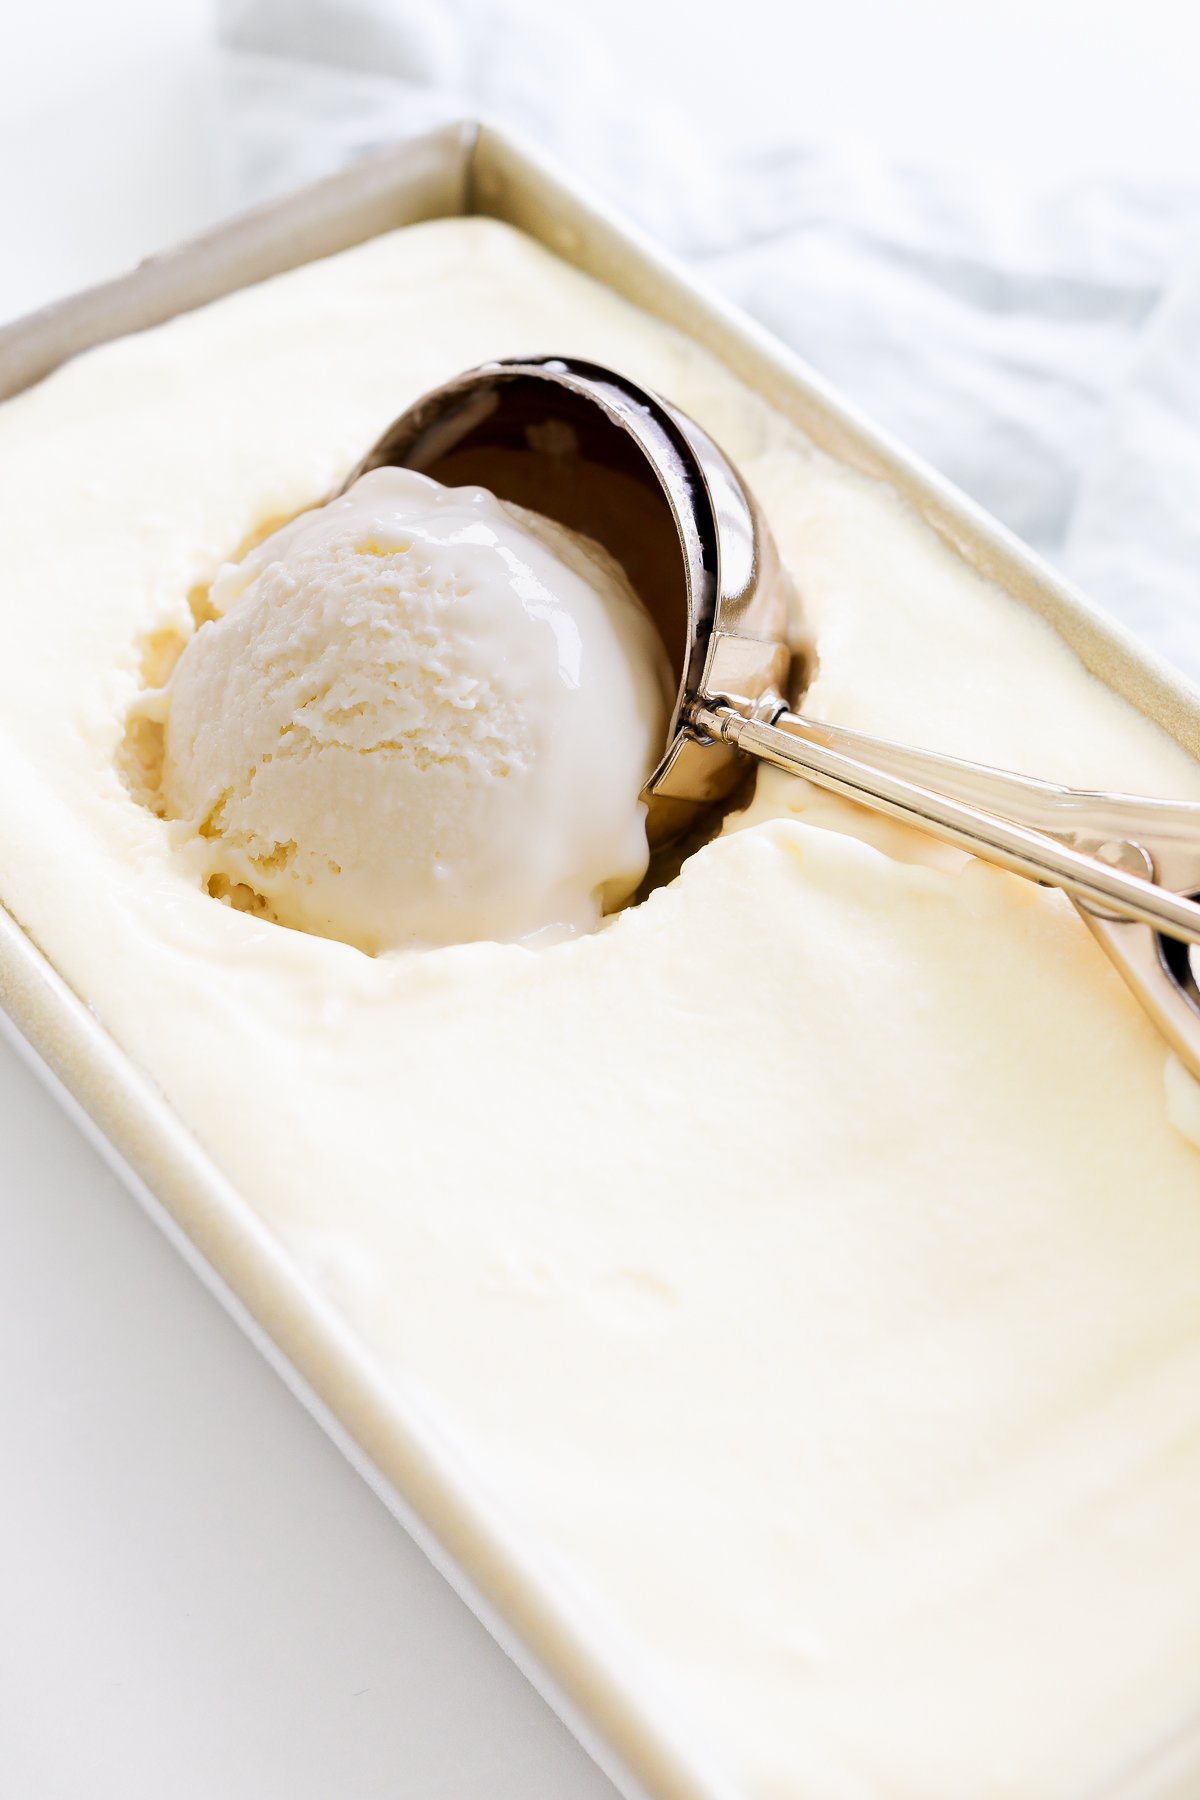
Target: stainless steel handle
{"type": "Point", "coordinates": [790, 743]}
{"type": "Point", "coordinates": [1085, 814]}
{"type": "Point", "coordinates": [1084, 818]}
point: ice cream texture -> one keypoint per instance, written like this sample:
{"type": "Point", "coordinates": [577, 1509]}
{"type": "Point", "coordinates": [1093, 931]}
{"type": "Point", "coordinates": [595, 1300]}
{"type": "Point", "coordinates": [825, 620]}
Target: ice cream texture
{"type": "Point", "coordinates": [805, 1268]}
{"type": "Point", "coordinates": [419, 717]}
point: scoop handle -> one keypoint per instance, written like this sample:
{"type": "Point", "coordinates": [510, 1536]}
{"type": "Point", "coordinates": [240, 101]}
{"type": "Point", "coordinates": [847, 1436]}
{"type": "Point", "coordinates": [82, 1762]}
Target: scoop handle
{"type": "Point", "coordinates": [790, 743]}
{"type": "Point", "coordinates": [1073, 813]}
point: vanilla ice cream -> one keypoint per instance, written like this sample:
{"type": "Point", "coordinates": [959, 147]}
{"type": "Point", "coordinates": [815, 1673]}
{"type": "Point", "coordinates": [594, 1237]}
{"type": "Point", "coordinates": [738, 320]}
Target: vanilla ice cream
{"type": "Point", "coordinates": [419, 716]}
{"type": "Point", "coordinates": [802, 1273]}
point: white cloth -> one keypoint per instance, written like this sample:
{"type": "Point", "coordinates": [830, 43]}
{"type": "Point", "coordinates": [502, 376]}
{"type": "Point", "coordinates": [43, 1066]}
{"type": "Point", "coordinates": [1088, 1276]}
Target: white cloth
{"type": "Point", "coordinates": [1038, 342]}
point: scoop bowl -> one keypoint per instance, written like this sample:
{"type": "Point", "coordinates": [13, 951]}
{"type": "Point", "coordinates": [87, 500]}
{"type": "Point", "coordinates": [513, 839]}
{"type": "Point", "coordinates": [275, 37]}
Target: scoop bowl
{"type": "Point", "coordinates": [594, 451]}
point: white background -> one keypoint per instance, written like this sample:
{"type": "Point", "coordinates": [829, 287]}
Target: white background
{"type": "Point", "coordinates": [199, 1597]}
{"type": "Point", "coordinates": [115, 132]}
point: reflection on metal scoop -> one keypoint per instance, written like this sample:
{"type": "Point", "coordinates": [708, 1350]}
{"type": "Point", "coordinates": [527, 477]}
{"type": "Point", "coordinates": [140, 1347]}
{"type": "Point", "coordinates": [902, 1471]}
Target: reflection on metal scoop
{"type": "Point", "coordinates": [603, 456]}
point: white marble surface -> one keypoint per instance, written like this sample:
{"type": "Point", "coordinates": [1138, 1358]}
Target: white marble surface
{"type": "Point", "coordinates": [200, 1597]}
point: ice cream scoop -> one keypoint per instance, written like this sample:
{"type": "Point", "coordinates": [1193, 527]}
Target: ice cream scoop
{"type": "Point", "coordinates": [584, 444]}
{"type": "Point", "coordinates": [389, 733]}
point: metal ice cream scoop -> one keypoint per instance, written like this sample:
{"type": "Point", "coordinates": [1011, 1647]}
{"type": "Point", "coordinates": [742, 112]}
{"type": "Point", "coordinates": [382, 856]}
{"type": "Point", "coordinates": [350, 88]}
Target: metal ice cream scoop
{"type": "Point", "coordinates": [591, 449]}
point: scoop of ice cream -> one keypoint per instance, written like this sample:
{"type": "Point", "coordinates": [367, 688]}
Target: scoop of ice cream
{"type": "Point", "coordinates": [421, 716]}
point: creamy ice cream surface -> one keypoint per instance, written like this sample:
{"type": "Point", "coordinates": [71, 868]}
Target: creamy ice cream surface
{"type": "Point", "coordinates": [812, 1287]}
{"type": "Point", "coordinates": [419, 717]}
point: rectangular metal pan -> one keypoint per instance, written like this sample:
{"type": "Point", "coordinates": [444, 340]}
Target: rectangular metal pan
{"type": "Point", "coordinates": [462, 169]}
